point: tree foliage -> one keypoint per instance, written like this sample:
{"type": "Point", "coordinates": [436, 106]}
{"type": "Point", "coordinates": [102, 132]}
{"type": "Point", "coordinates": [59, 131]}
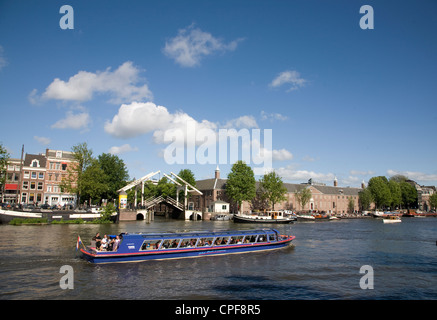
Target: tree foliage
{"type": "Point", "coordinates": [303, 196]}
{"type": "Point", "coordinates": [94, 179]}
{"type": "Point", "coordinates": [272, 188]}
{"type": "Point", "coordinates": [4, 158]}
{"type": "Point", "coordinates": [240, 185]}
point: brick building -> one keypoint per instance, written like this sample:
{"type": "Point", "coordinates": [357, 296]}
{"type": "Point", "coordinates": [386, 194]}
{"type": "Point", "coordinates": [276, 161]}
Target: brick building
{"type": "Point", "coordinates": [58, 163]}
{"type": "Point", "coordinates": [38, 179]}
{"type": "Point", "coordinates": [329, 199]}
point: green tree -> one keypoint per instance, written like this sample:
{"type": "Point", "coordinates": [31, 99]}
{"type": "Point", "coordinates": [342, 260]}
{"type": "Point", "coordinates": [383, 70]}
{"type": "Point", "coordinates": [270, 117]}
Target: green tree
{"type": "Point", "coordinates": [409, 194]}
{"type": "Point", "coordinates": [73, 182]}
{"type": "Point", "coordinates": [433, 201]}
{"type": "Point", "coordinates": [240, 185]}
{"type": "Point", "coordinates": [165, 188]}
{"type": "Point", "coordinates": [188, 176]}
{"type": "Point", "coordinates": [351, 205]}
{"type": "Point", "coordinates": [4, 158]}
{"type": "Point", "coordinates": [378, 187]}
{"type": "Point", "coordinates": [272, 188]}
{"type": "Point", "coordinates": [396, 194]}
{"type": "Point", "coordinates": [303, 196]}
{"type": "Point", "coordinates": [93, 183]}
{"type": "Point", "coordinates": [365, 198]}
{"type": "Point", "coordinates": [116, 174]}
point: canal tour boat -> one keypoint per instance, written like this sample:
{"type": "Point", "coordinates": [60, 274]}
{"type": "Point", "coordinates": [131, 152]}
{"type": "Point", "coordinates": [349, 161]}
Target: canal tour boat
{"type": "Point", "coordinates": [157, 246]}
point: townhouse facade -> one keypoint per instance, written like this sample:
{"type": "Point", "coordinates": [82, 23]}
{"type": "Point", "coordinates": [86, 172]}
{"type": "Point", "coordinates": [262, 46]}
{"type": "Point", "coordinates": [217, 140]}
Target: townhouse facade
{"type": "Point", "coordinates": [37, 179]}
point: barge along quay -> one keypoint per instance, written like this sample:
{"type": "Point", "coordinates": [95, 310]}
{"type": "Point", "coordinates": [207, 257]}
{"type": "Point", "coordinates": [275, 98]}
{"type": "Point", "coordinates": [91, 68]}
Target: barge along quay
{"type": "Point", "coordinates": [157, 246]}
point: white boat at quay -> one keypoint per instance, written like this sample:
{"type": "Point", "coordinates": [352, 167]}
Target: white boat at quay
{"type": "Point", "coordinates": [392, 219]}
{"type": "Point", "coordinates": [267, 217]}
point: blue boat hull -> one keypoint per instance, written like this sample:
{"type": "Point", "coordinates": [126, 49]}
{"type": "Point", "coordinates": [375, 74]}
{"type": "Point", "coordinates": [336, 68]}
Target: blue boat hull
{"type": "Point", "coordinates": [110, 257]}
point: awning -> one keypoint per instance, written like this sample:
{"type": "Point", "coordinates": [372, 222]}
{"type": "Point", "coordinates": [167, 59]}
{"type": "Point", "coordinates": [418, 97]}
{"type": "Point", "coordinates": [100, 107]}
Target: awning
{"type": "Point", "coordinates": [11, 186]}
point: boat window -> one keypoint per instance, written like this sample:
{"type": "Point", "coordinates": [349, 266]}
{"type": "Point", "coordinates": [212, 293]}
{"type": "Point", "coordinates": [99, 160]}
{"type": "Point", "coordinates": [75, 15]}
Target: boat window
{"type": "Point", "coordinates": [221, 241]}
{"type": "Point", "coordinates": [272, 237]}
{"type": "Point", "coordinates": [150, 245]}
{"type": "Point", "coordinates": [204, 242]}
{"type": "Point", "coordinates": [236, 240]}
{"type": "Point", "coordinates": [170, 243]}
{"type": "Point", "coordinates": [262, 238]}
{"type": "Point", "coordinates": [250, 239]}
{"type": "Point", "coordinates": [188, 243]}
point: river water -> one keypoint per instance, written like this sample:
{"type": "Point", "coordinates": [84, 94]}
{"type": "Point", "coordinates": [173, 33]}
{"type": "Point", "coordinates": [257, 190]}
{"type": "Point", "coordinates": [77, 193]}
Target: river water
{"type": "Point", "coordinates": [324, 263]}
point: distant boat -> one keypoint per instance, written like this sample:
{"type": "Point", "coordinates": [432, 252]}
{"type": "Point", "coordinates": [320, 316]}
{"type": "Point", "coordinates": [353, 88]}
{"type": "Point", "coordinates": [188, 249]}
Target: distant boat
{"type": "Point", "coordinates": [267, 217]}
{"type": "Point", "coordinates": [221, 217]}
{"type": "Point", "coordinates": [305, 217]}
{"type": "Point", "coordinates": [391, 219]}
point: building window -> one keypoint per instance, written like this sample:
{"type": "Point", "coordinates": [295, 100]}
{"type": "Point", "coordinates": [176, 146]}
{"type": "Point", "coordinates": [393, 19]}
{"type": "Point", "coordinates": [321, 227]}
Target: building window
{"type": "Point", "coordinates": [35, 163]}
{"type": "Point", "coordinates": [24, 197]}
{"type": "Point", "coordinates": [32, 185]}
{"type": "Point", "coordinates": [26, 175]}
{"type": "Point", "coordinates": [58, 154]}
{"type": "Point", "coordinates": [57, 165]}
{"type": "Point", "coordinates": [41, 175]}
{"type": "Point", "coordinates": [25, 185]}
{"type": "Point", "coordinates": [49, 188]}
{"type": "Point", "coordinates": [33, 175]}
{"type": "Point", "coordinates": [31, 197]}
{"type": "Point", "coordinates": [40, 186]}
{"type": "Point", "coordinates": [64, 166]}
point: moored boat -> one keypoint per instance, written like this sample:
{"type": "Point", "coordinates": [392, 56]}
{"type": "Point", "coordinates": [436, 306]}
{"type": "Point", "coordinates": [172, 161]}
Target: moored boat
{"type": "Point", "coordinates": [156, 246]}
{"type": "Point", "coordinates": [305, 217]}
{"type": "Point", "coordinates": [8, 215]}
{"type": "Point", "coordinates": [391, 219]}
{"type": "Point", "coordinates": [267, 217]}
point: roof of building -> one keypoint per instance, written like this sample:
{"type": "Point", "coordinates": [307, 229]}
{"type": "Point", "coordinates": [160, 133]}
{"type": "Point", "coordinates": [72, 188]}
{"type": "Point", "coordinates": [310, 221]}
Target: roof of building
{"type": "Point", "coordinates": [220, 184]}
{"type": "Point", "coordinates": [30, 157]}
{"type": "Point", "coordinates": [65, 155]}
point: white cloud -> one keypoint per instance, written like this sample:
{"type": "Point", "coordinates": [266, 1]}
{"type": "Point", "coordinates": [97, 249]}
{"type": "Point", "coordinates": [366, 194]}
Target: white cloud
{"type": "Point", "coordinates": [42, 140]}
{"type": "Point", "coordinates": [122, 149]}
{"type": "Point", "coordinates": [289, 77]}
{"type": "Point", "coordinates": [241, 122]}
{"type": "Point", "coordinates": [73, 121]}
{"type": "Point", "coordinates": [144, 117]}
{"type": "Point", "coordinates": [361, 172]}
{"type": "Point", "coordinates": [281, 155]}
{"type": "Point", "coordinates": [414, 175]}
{"type": "Point", "coordinates": [272, 116]}
{"type": "Point", "coordinates": [192, 44]}
{"type": "Point", "coordinates": [290, 174]}
{"type": "Point", "coordinates": [121, 84]}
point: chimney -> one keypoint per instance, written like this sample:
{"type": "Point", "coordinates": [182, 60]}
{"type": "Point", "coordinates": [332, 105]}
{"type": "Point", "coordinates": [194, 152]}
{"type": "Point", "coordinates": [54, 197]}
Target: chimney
{"type": "Point", "coordinates": [217, 173]}
{"type": "Point", "coordinates": [363, 185]}
{"type": "Point", "coordinates": [335, 181]}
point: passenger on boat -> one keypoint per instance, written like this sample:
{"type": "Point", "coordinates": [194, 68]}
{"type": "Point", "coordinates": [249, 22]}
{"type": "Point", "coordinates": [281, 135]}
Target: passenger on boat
{"type": "Point", "coordinates": [105, 243]}
{"type": "Point", "coordinates": [98, 240]}
{"type": "Point", "coordinates": [116, 243]}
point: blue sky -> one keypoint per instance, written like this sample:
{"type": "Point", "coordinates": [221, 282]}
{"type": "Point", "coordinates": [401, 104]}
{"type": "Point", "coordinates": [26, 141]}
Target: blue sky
{"type": "Point", "coordinates": [341, 101]}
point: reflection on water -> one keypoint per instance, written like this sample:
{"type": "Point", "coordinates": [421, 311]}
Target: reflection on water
{"type": "Point", "coordinates": [324, 263]}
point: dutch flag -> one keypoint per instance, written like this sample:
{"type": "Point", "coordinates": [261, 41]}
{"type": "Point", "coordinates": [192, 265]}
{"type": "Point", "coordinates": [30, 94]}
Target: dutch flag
{"type": "Point", "coordinates": [79, 241]}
